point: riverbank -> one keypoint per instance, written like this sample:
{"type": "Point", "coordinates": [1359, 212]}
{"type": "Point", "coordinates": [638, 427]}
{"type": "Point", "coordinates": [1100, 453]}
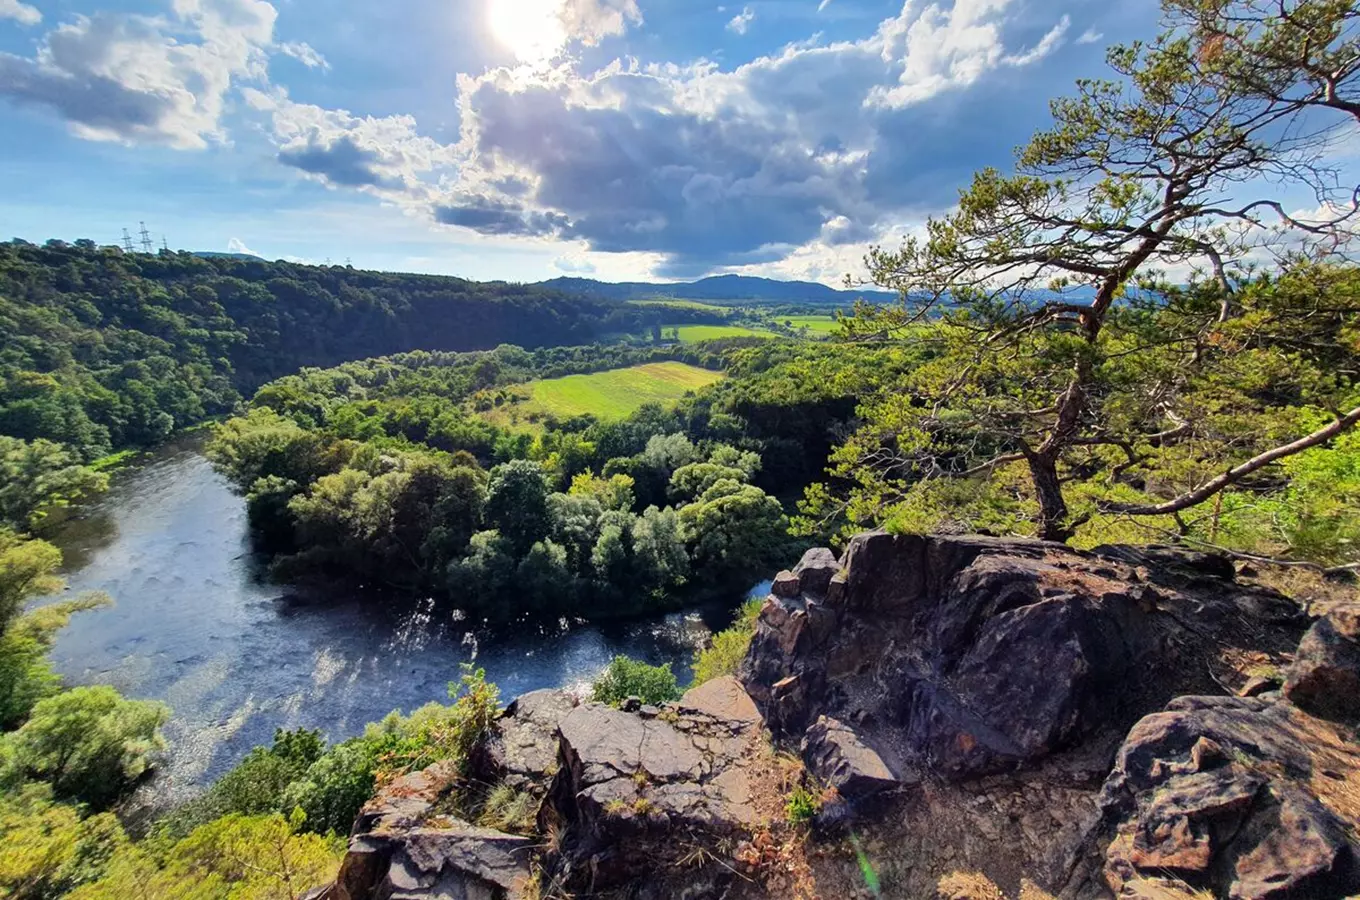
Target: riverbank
{"type": "Point", "coordinates": [197, 624]}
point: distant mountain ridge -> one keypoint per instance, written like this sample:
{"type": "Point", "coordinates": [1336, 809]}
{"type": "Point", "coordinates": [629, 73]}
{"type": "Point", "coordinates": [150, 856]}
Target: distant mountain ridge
{"type": "Point", "coordinates": [717, 287]}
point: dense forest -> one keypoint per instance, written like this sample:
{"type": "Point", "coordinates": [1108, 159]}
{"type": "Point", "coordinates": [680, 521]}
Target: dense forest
{"type": "Point", "coordinates": [101, 349]}
{"type": "Point", "coordinates": [384, 469]}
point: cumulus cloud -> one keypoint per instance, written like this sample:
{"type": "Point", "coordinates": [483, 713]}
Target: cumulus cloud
{"type": "Point", "coordinates": [305, 54]}
{"type": "Point", "coordinates": [133, 78]}
{"type": "Point", "coordinates": [741, 21]}
{"type": "Point", "coordinates": [591, 21]}
{"type": "Point", "coordinates": [574, 264]}
{"type": "Point", "coordinates": [384, 154]}
{"type": "Point", "coordinates": [704, 168]}
{"type": "Point", "coordinates": [236, 245]}
{"type": "Point", "coordinates": [20, 12]}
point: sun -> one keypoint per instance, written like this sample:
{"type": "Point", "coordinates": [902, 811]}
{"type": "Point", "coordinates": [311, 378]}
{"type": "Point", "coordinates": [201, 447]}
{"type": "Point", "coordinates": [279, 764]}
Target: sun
{"type": "Point", "coordinates": [530, 29]}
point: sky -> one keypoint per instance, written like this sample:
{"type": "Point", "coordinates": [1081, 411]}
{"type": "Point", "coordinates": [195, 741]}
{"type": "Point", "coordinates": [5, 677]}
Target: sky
{"type": "Point", "coordinates": [525, 139]}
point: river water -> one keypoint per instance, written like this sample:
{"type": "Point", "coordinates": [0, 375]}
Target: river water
{"type": "Point", "coordinates": [196, 624]}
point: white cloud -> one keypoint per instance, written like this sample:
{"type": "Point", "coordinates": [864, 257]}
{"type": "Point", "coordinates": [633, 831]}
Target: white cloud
{"type": "Point", "coordinates": [1050, 42]}
{"type": "Point", "coordinates": [1089, 36]}
{"type": "Point", "coordinates": [305, 54]}
{"type": "Point", "coordinates": [591, 21]}
{"type": "Point", "coordinates": [949, 48]}
{"type": "Point", "coordinates": [383, 155]}
{"type": "Point", "coordinates": [823, 5]}
{"type": "Point", "coordinates": [742, 21]}
{"type": "Point", "coordinates": [236, 245]}
{"type": "Point", "coordinates": [146, 79]}
{"type": "Point", "coordinates": [20, 12]}
{"type": "Point", "coordinates": [574, 264]}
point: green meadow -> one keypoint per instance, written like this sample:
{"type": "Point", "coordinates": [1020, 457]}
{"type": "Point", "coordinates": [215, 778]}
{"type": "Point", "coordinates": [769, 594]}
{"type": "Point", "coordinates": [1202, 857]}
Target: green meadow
{"type": "Point", "coordinates": [690, 334]}
{"type": "Point", "coordinates": [814, 324]}
{"type": "Point", "coordinates": [609, 395]}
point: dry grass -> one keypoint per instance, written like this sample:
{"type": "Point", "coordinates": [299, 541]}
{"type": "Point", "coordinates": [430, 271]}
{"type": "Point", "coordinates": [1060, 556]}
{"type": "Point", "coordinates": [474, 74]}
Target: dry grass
{"type": "Point", "coordinates": [968, 886]}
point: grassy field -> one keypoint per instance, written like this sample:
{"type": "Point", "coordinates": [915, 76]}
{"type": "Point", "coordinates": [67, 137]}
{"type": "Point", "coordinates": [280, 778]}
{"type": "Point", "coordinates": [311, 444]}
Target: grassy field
{"type": "Point", "coordinates": [814, 324]}
{"type": "Point", "coordinates": [679, 304]}
{"type": "Point", "coordinates": [608, 396]}
{"type": "Point", "coordinates": [691, 333]}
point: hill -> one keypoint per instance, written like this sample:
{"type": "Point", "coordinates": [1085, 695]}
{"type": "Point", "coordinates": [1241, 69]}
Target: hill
{"type": "Point", "coordinates": [718, 287]}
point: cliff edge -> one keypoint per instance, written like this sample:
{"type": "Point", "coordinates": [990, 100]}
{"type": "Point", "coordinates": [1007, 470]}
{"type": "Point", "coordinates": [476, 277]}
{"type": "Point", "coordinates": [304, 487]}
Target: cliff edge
{"type": "Point", "coordinates": [1128, 721]}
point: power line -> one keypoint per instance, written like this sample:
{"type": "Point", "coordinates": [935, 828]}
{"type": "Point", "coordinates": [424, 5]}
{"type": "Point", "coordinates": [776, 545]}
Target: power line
{"type": "Point", "coordinates": [127, 241]}
{"type": "Point", "coordinates": [146, 239]}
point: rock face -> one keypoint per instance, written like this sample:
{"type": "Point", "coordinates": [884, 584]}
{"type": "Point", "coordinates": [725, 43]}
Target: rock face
{"type": "Point", "coordinates": [1242, 795]}
{"type": "Point", "coordinates": [401, 849]}
{"type": "Point", "coordinates": [1325, 677]}
{"type": "Point", "coordinates": [968, 703]}
{"type": "Point", "coordinates": [634, 785]}
{"type": "Point", "coordinates": [523, 749]}
{"type": "Point", "coordinates": [969, 656]}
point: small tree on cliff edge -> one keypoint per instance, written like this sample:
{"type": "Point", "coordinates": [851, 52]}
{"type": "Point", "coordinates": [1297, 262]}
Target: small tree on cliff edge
{"type": "Point", "coordinates": [1170, 167]}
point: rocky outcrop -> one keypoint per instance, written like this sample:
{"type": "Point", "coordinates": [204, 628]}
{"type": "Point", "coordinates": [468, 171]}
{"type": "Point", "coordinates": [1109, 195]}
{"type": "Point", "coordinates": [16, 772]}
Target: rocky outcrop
{"type": "Point", "coordinates": [964, 704]}
{"type": "Point", "coordinates": [635, 786]}
{"type": "Point", "coordinates": [522, 751]}
{"type": "Point", "coordinates": [966, 656]}
{"type": "Point", "coordinates": [1325, 676]}
{"type": "Point", "coordinates": [1245, 796]}
{"type": "Point", "coordinates": [403, 849]}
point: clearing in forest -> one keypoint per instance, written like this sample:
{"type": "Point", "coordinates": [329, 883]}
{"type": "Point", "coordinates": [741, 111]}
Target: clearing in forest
{"type": "Point", "coordinates": [609, 396]}
{"type": "Point", "coordinates": [689, 334]}
{"type": "Point", "coordinates": [814, 324]}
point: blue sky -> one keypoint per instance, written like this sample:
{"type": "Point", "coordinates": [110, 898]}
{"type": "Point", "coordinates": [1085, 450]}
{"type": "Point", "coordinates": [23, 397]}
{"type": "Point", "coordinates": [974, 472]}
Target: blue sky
{"type": "Point", "coordinates": [523, 139]}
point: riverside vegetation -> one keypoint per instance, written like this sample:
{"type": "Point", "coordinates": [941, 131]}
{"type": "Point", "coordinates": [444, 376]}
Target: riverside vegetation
{"type": "Point", "coordinates": [1108, 344]}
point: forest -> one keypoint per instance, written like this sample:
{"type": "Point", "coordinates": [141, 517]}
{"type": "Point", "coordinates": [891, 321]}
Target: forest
{"type": "Point", "coordinates": [1114, 341]}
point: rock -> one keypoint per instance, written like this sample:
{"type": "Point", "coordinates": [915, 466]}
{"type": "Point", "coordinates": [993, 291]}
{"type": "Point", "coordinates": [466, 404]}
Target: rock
{"type": "Point", "coordinates": [1257, 685]}
{"type": "Point", "coordinates": [1325, 676]}
{"type": "Point", "coordinates": [786, 584]}
{"type": "Point", "coordinates": [457, 861]}
{"type": "Point", "coordinates": [836, 755]}
{"type": "Point", "coordinates": [628, 785]}
{"type": "Point", "coordinates": [1221, 791]}
{"type": "Point", "coordinates": [970, 655]}
{"type": "Point", "coordinates": [523, 750]}
{"type": "Point", "coordinates": [401, 850]}
{"type": "Point", "coordinates": [723, 698]}
{"type": "Point", "coordinates": [815, 571]}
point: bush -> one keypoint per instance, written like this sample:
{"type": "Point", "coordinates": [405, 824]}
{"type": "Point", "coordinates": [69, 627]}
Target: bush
{"type": "Point", "coordinates": [630, 678]}
{"type": "Point", "coordinates": [90, 743]}
{"type": "Point", "coordinates": [48, 848]}
{"type": "Point", "coordinates": [728, 648]}
{"type": "Point", "coordinates": [802, 806]}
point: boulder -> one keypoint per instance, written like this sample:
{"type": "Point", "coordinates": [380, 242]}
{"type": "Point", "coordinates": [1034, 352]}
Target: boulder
{"type": "Point", "coordinates": [402, 849]}
{"type": "Point", "coordinates": [816, 570]}
{"type": "Point", "coordinates": [723, 698]}
{"type": "Point", "coordinates": [1325, 675]}
{"type": "Point", "coordinates": [786, 584]}
{"type": "Point", "coordinates": [630, 785]}
{"type": "Point", "coordinates": [967, 655]}
{"type": "Point", "coordinates": [523, 749]}
{"type": "Point", "coordinates": [1231, 793]}
{"type": "Point", "coordinates": [837, 756]}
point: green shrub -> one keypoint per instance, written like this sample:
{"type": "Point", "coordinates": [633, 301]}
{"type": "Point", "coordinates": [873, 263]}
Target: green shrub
{"type": "Point", "coordinates": [802, 806]}
{"type": "Point", "coordinates": [630, 678]}
{"type": "Point", "coordinates": [90, 743]}
{"type": "Point", "coordinates": [728, 648]}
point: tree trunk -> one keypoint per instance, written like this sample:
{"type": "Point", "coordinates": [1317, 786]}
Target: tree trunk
{"type": "Point", "coordinates": [1043, 469]}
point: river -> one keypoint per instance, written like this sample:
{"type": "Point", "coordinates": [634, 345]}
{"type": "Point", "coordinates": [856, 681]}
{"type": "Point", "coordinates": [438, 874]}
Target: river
{"type": "Point", "coordinates": [197, 625]}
